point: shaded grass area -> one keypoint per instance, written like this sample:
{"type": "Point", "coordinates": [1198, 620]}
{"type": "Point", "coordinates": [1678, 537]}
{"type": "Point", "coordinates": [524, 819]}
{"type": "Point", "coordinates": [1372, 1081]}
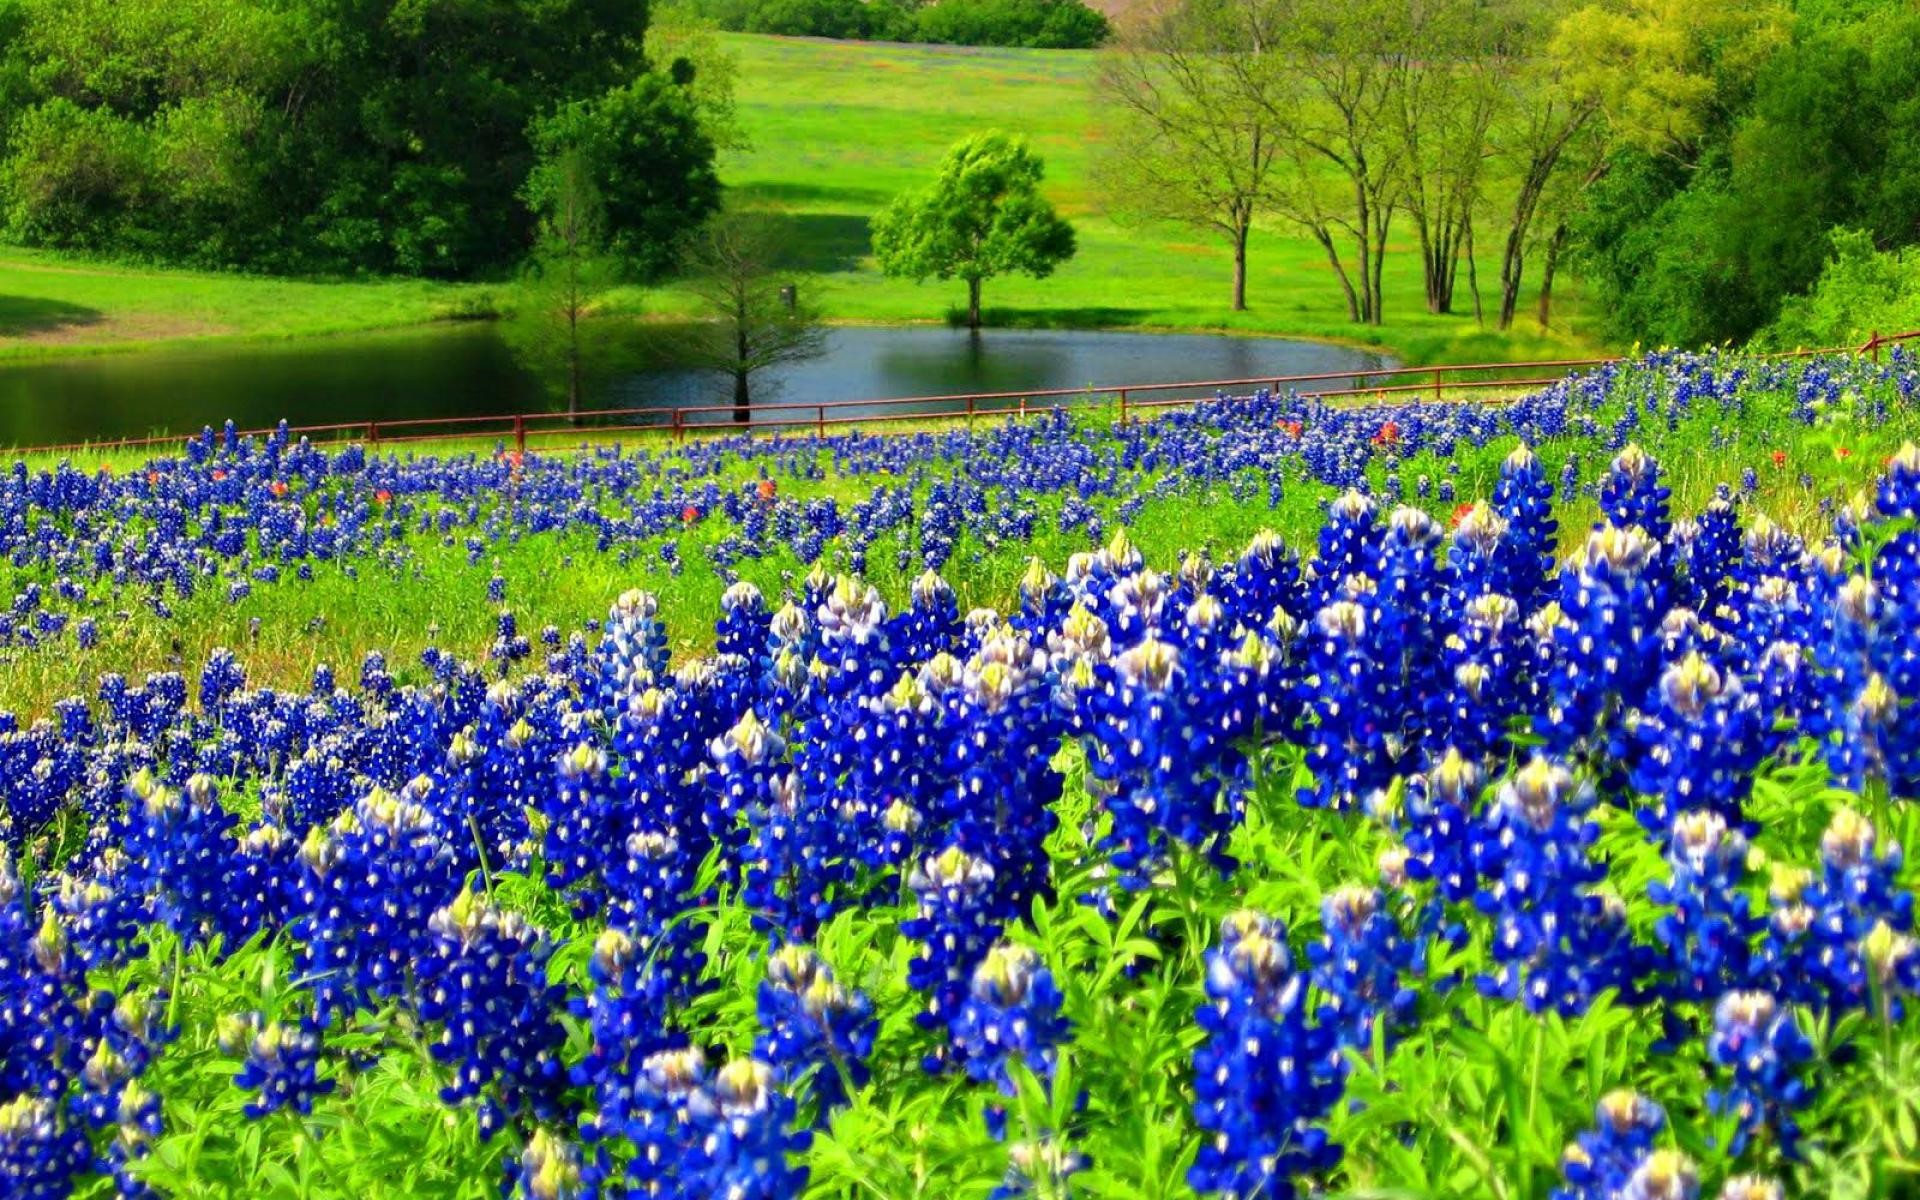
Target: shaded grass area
{"type": "Point", "coordinates": [52, 304]}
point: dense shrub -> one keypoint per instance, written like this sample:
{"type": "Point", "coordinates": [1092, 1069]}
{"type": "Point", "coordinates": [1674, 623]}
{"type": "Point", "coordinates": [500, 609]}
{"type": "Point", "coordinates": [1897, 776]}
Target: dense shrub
{"type": "Point", "coordinates": [1861, 290]}
{"type": "Point", "coordinates": [1038, 24]}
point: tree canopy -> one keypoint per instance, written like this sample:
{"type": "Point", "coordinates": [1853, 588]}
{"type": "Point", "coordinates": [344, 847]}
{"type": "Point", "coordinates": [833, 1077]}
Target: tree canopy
{"type": "Point", "coordinates": [983, 216]}
{"type": "Point", "coordinates": [325, 135]}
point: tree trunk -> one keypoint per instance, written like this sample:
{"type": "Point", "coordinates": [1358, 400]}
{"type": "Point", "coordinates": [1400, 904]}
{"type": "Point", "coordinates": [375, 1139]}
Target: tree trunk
{"type": "Point", "coordinates": [742, 406]}
{"type": "Point", "coordinates": [1554, 244]}
{"type": "Point", "coordinates": [1240, 267]}
{"type": "Point", "coordinates": [1325, 239]}
{"type": "Point", "coordinates": [1473, 273]}
{"type": "Point", "coordinates": [573, 362]}
{"type": "Point", "coordinates": [973, 304]}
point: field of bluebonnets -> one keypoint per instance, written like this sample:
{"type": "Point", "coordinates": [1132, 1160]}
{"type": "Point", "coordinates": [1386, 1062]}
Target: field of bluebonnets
{"type": "Point", "coordinates": [997, 812]}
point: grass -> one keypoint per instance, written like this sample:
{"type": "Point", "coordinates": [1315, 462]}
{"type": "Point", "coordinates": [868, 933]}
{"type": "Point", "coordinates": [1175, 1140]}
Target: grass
{"type": "Point", "coordinates": [835, 130]}
{"type": "Point", "coordinates": [432, 593]}
{"type": "Point", "coordinates": [838, 128]}
{"type": "Point", "coordinates": [53, 305]}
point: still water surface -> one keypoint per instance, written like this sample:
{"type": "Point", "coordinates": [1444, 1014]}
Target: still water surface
{"type": "Point", "coordinates": [470, 370]}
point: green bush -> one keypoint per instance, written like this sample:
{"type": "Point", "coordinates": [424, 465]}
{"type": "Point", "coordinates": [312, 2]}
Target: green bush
{"type": "Point", "coordinates": [1038, 24]}
{"type": "Point", "coordinates": [1861, 289]}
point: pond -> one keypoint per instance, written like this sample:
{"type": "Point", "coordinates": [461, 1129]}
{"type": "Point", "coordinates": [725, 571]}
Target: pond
{"type": "Point", "coordinates": [471, 370]}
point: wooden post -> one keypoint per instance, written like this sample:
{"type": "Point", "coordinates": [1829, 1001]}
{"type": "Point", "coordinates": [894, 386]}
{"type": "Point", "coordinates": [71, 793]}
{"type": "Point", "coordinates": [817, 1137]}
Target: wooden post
{"type": "Point", "coordinates": [1874, 344]}
{"type": "Point", "coordinates": [820, 419]}
{"type": "Point", "coordinates": [679, 426]}
{"type": "Point", "coordinates": [373, 433]}
{"type": "Point", "coordinates": [969, 412]}
{"type": "Point", "coordinates": [520, 433]}
{"type": "Point", "coordinates": [1436, 383]}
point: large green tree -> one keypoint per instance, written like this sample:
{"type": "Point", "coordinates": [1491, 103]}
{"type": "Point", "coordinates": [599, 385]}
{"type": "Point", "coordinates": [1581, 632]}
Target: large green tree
{"type": "Point", "coordinates": [338, 135]}
{"type": "Point", "coordinates": [983, 216]}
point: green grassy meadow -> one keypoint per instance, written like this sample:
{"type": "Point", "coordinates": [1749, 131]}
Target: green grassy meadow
{"type": "Point", "coordinates": [837, 128]}
{"type": "Point", "coordinates": [834, 129]}
{"type": "Point", "coordinates": [53, 305]}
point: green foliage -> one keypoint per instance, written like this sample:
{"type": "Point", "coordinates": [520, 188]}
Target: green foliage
{"type": "Point", "coordinates": [1703, 241]}
{"type": "Point", "coordinates": [1860, 290]}
{"type": "Point", "coordinates": [646, 155]}
{"type": "Point", "coordinates": [1036, 24]}
{"type": "Point", "coordinates": [983, 216]}
{"type": "Point", "coordinates": [1040, 24]}
{"type": "Point", "coordinates": [319, 135]}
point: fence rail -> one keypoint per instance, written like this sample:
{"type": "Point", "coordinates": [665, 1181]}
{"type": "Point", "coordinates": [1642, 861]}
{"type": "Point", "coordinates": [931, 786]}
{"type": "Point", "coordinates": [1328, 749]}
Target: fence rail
{"type": "Point", "coordinates": [1383, 383]}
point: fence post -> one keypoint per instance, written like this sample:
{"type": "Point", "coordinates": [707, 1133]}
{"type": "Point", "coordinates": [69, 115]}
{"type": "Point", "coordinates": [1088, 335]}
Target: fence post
{"type": "Point", "coordinates": [969, 412]}
{"type": "Point", "coordinates": [373, 433]}
{"type": "Point", "coordinates": [1436, 383]}
{"type": "Point", "coordinates": [679, 425]}
{"type": "Point", "coordinates": [520, 433]}
{"type": "Point", "coordinates": [820, 419]}
{"type": "Point", "coordinates": [1874, 343]}
{"type": "Point", "coordinates": [1023, 408]}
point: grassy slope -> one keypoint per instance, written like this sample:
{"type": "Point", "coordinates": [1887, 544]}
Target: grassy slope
{"type": "Point", "coordinates": [50, 305]}
{"type": "Point", "coordinates": [836, 128]}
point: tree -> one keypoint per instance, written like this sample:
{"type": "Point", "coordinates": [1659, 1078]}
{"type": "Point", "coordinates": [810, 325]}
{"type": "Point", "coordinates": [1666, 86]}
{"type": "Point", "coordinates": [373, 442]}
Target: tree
{"type": "Point", "coordinates": [323, 135]}
{"type": "Point", "coordinates": [650, 160]}
{"type": "Point", "coordinates": [751, 325]}
{"type": "Point", "coordinates": [1344, 174]}
{"type": "Point", "coordinates": [568, 270]}
{"type": "Point", "coordinates": [1193, 139]}
{"type": "Point", "coordinates": [983, 216]}
{"type": "Point", "coordinates": [1444, 97]}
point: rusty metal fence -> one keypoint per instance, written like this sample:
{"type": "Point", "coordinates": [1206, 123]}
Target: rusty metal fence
{"type": "Point", "coordinates": [1385, 384]}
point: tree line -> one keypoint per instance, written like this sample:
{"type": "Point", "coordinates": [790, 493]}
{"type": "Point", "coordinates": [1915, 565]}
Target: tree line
{"type": "Point", "coordinates": [343, 136]}
{"type": "Point", "coordinates": [1035, 24]}
{"type": "Point", "coordinates": [1690, 156]}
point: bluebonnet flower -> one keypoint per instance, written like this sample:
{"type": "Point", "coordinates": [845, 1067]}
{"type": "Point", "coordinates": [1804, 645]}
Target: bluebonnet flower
{"type": "Point", "coordinates": [39, 1154]}
{"type": "Point", "coordinates": [1523, 498]}
{"type": "Point", "coordinates": [1756, 1039]}
{"type": "Point", "coordinates": [956, 925]}
{"type": "Point", "coordinates": [809, 1022]}
{"type": "Point", "coordinates": [1267, 1073]}
{"type": "Point", "coordinates": [1601, 1161]}
{"type": "Point", "coordinates": [1362, 966]}
{"type": "Point", "coordinates": [1631, 493]}
{"type": "Point", "coordinates": [1354, 688]}
{"type": "Point", "coordinates": [1700, 738]}
{"type": "Point", "coordinates": [1557, 940]}
{"type": "Point", "coordinates": [1011, 1014]}
{"type": "Point", "coordinates": [1152, 717]}
{"type": "Point", "coordinates": [548, 1169]}
{"type": "Point", "coordinates": [1708, 930]}
{"type": "Point", "coordinates": [282, 1063]}
{"type": "Point", "coordinates": [1596, 642]}
{"type": "Point", "coordinates": [1856, 891]}
{"type": "Point", "coordinates": [483, 981]}
{"type": "Point", "coordinates": [746, 1140]}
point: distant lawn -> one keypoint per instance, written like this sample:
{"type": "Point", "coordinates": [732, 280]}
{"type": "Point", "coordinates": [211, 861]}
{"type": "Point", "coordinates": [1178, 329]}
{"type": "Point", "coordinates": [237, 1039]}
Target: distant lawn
{"type": "Point", "coordinates": [838, 127]}
{"type": "Point", "coordinates": [52, 305]}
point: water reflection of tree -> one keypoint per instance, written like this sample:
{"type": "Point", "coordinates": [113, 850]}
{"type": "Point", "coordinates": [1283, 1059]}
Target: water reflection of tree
{"type": "Point", "coordinates": [552, 334]}
{"type": "Point", "coordinates": [752, 319]}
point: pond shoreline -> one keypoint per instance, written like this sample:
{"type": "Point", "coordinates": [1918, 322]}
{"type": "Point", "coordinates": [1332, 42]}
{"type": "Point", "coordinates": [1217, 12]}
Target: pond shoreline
{"type": "Point", "coordinates": [474, 370]}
